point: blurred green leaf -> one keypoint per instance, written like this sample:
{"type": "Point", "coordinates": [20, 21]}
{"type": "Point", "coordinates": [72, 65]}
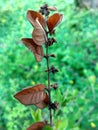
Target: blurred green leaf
{"type": "Point", "coordinates": [36, 114]}
{"type": "Point", "coordinates": [47, 128]}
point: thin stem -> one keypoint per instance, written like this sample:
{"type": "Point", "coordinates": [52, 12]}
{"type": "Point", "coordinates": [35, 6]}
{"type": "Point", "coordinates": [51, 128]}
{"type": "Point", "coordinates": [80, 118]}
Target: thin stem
{"type": "Point", "coordinates": [48, 76]}
{"type": "Point", "coordinates": [93, 91]}
{"type": "Point", "coordinates": [49, 89]}
{"type": "Point", "coordinates": [86, 114]}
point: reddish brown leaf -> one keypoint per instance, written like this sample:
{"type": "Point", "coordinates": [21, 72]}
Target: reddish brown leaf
{"type": "Point", "coordinates": [53, 21]}
{"type": "Point", "coordinates": [35, 49]}
{"type": "Point", "coordinates": [31, 95]}
{"type": "Point", "coordinates": [39, 35]}
{"type": "Point", "coordinates": [37, 126]}
{"type": "Point", "coordinates": [44, 103]}
{"type": "Point", "coordinates": [32, 15]}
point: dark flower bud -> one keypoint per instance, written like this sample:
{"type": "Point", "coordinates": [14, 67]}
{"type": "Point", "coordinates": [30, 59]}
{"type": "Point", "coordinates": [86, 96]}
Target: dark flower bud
{"type": "Point", "coordinates": [52, 55]}
{"type": "Point", "coordinates": [45, 56]}
{"type": "Point", "coordinates": [48, 70]}
{"type": "Point", "coordinates": [52, 69]}
{"type": "Point", "coordinates": [44, 10]}
{"type": "Point", "coordinates": [51, 41]}
{"type": "Point", "coordinates": [54, 105]}
{"type": "Point", "coordinates": [52, 32]}
{"type": "Point", "coordinates": [55, 86]}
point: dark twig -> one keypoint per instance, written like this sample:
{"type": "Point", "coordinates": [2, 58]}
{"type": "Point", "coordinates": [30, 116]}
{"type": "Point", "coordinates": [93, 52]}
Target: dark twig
{"type": "Point", "coordinates": [44, 11]}
{"type": "Point", "coordinates": [49, 86]}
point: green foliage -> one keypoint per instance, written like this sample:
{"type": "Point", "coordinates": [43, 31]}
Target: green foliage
{"type": "Point", "coordinates": [77, 60]}
{"type": "Point", "coordinates": [36, 115]}
{"type": "Point", "coordinates": [47, 128]}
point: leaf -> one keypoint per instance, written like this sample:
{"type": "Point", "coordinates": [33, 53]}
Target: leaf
{"type": "Point", "coordinates": [44, 103]}
{"type": "Point", "coordinates": [31, 95]}
{"type": "Point", "coordinates": [61, 124]}
{"type": "Point", "coordinates": [33, 114]}
{"type": "Point", "coordinates": [35, 49]}
{"type": "Point", "coordinates": [60, 97]}
{"type": "Point", "coordinates": [32, 15]}
{"type": "Point", "coordinates": [39, 35]}
{"type": "Point", "coordinates": [37, 126]}
{"type": "Point", "coordinates": [47, 127]}
{"type": "Point", "coordinates": [36, 115]}
{"type": "Point", "coordinates": [52, 8]}
{"type": "Point", "coordinates": [75, 128]}
{"type": "Point", "coordinates": [53, 21]}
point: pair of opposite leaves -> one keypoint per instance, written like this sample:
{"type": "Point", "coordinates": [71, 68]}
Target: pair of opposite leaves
{"type": "Point", "coordinates": [33, 96]}
{"type": "Point", "coordinates": [39, 34]}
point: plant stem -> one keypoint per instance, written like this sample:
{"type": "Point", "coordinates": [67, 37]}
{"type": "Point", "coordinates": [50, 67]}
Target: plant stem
{"type": "Point", "coordinates": [86, 114]}
{"type": "Point", "coordinates": [49, 89]}
{"type": "Point", "coordinates": [93, 92]}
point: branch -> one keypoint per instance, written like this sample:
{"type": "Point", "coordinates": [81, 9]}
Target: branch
{"type": "Point", "coordinates": [49, 89]}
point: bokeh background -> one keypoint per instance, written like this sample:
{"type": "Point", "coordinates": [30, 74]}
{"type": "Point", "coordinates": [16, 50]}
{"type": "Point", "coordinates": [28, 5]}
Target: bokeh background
{"type": "Point", "coordinates": [77, 60]}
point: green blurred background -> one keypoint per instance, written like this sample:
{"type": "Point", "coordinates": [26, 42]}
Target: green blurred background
{"type": "Point", "coordinates": [77, 61]}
